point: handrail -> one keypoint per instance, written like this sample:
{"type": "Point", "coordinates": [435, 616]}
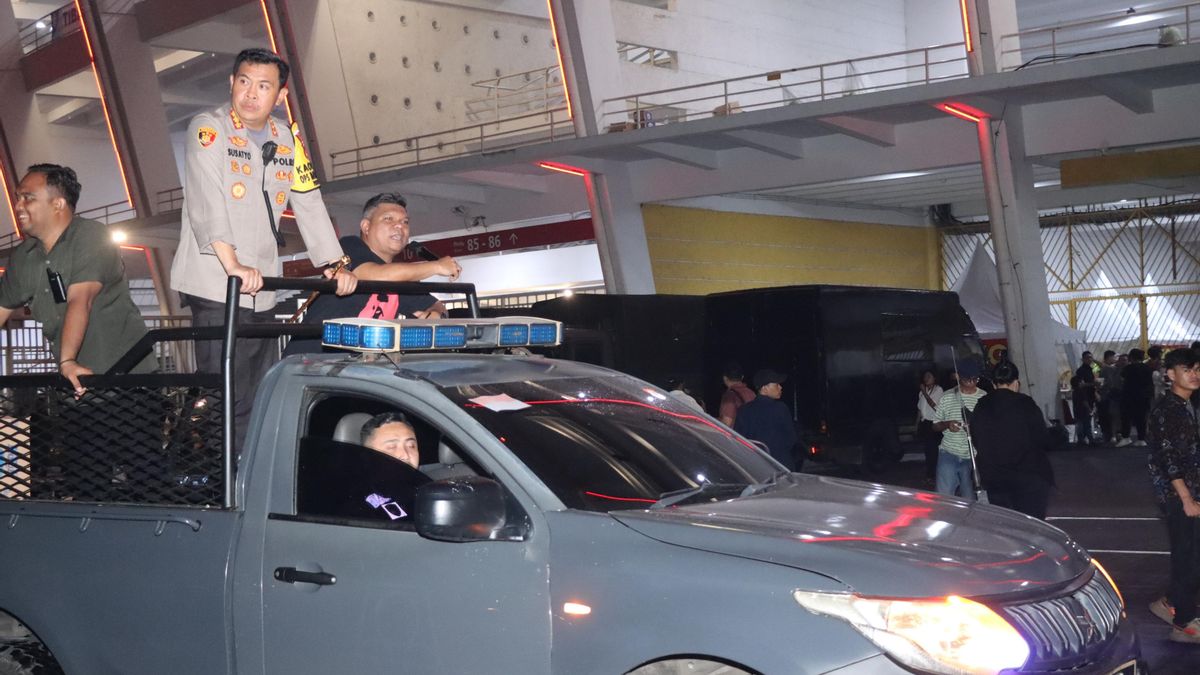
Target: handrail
{"type": "Point", "coordinates": [169, 200]}
{"type": "Point", "coordinates": [383, 156]}
{"type": "Point", "coordinates": [60, 22]}
{"type": "Point", "coordinates": [825, 80]}
{"type": "Point", "coordinates": [108, 213]}
{"type": "Point", "coordinates": [1046, 43]}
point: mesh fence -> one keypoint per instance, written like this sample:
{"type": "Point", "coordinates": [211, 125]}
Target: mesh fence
{"type": "Point", "coordinates": [147, 439]}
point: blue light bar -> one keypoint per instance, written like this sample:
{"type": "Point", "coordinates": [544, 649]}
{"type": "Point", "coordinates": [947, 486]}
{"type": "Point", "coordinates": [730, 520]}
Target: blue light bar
{"type": "Point", "coordinates": [349, 336]}
{"type": "Point", "coordinates": [514, 335]}
{"type": "Point", "coordinates": [331, 334]}
{"type": "Point", "coordinates": [416, 337]}
{"type": "Point", "coordinates": [377, 337]}
{"type": "Point", "coordinates": [543, 334]}
{"type": "Point", "coordinates": [450, 337]}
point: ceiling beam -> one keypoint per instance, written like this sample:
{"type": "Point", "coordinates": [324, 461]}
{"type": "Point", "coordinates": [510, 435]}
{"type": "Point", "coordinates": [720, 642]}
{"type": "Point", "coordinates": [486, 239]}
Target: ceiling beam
{"type": "Point", "coordinates": [876, 133]}
{"type": "Point", "coordinates": [786, 147]}
{"type": "Point", "coordinates": [470, 194]}
{"type": "Point", "coordinates": [1126, 92]}
{"type": "Point", "coordinates": [509, 181]}
{"type": "Point", "coordinates": [682, 154]}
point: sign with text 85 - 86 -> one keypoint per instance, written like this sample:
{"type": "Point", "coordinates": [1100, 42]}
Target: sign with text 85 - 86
{"type": "Point", "coordinates": [509, 240]}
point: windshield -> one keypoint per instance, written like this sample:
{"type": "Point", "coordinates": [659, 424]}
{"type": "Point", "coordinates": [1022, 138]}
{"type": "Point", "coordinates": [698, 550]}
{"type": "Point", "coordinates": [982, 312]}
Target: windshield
{"type": "Point", "coordinates": [608, 443]}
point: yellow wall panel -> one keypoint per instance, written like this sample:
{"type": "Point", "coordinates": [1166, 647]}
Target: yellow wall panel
{"type": "Point", "coordinates": [695, 251]}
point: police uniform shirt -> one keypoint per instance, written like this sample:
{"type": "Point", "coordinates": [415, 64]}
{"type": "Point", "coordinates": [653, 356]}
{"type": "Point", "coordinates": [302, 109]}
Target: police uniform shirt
{"type": "Point", "coordinates": [224, 180]}
{"type": "Point", "coordinates": [85, 252]}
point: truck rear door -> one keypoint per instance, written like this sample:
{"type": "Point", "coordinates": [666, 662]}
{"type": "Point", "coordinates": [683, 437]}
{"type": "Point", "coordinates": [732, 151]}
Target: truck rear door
{"type": "Point", "coordinates": [350, 588]}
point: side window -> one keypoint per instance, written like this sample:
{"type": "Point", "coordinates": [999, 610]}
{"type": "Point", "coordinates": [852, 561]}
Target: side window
{"type": "Point", "coordinates": [361, 461]}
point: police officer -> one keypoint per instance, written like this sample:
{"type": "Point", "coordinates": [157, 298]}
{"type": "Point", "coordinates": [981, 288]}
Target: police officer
{"type": "Point", "coordinates": [242, 168]}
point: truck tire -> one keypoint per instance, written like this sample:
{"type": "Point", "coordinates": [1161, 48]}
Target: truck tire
{"type": "Point", "coordinates": [27, 656]}
{"type": "Point", "coordinates": [688, 667]}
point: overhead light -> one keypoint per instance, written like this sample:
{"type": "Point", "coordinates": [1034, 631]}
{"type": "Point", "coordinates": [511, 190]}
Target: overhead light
{"type": "Point", "coordinates": [1046, 183]}
{"type": "Point", "coordinates": [40, 25]}
{"type": "Point", "coordinates": [119, 236]}
{"type": "Point", "coordinates": [1135, 19]}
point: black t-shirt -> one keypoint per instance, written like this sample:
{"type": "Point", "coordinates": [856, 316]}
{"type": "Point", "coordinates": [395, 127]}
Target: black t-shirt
{"type": "Point", "coordinates": [372, 305]}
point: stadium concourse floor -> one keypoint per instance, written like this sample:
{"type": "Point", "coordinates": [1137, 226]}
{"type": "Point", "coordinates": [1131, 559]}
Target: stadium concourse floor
{"type": "Point", "coordinates": [1104, 501]}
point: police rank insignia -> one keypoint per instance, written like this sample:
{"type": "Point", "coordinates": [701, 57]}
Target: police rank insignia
{"type": "Point", "coordinates": [238, 141]}
{"type": "Point", "coordinates": [238, 190]}
{"type": "Point", "coordinates": [206, 135]}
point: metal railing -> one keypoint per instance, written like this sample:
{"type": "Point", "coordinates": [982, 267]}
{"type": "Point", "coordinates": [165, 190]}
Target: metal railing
{"type": "Point", "coordinates": [1164, 27]}
{"type": "Point", "coordinates": [110, 213]}
{"type": "Point", "coordinates": [62, 21]}
{"type": "Point", "coordinates": [787, 87]}
{"type": "Point", "coordinates": [533, 90]}
{"type": "Point", "coordinates": [648, 56]}
{"type": "Point", "coordinates": [477, 139]}
{"type": "Point", "coordinates": [169, 200]}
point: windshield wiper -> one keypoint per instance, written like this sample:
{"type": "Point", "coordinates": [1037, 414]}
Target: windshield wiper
{"type": "Point", "coordinates": [674, 497]}
{"type": "Point", "coordinates": [755, 488]}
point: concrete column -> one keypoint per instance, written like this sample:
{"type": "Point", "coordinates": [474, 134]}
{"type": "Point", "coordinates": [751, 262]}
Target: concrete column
{"type": "Point", "coordinates": [620, 232]}
{"type": "Point", "coordinates": [1012, 209]}
{"type": "Point", "coordinates": [129, 85]}
{"type": "Point", "coordinates": [280, 15]}
{"type": "Point", "coordinates": [587, 45]}
{"type": "Point", "coordinates": [990, 21]}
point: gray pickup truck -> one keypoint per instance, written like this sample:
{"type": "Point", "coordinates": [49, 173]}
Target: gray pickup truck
{"type": "Point", "coordinates": [563, 518]}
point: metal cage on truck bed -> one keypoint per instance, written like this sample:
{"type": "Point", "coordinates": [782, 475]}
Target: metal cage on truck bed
{"type": "Point", "coordinates": [161, 439]}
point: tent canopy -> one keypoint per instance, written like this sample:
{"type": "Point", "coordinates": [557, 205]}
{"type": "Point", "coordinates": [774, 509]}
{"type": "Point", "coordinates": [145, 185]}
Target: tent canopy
{"type": "Point", "coordinates": [979, 293]}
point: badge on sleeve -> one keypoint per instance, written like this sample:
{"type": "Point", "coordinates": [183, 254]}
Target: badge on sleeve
{"type": "Point", "coordinates": [305, 179]}
{"type": "Point", "coordinates": [206, 135]}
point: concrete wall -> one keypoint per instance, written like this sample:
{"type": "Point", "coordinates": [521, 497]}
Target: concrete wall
{"type": "Point", "coordinates": [696, 251]}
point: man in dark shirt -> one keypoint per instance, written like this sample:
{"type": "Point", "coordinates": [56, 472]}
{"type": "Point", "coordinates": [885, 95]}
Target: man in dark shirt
{"type": "Point", "coordinates": [1174, 464]}
{"type": "Point", "coordinates": [1137, 392]}
{"type": "Point", "coordinates": [768, 420]}
{"type": "Point", "coordinates": [69, 272]}
{"type": "Point", "coordinates": [384, 234]}
{"type": "Point", "coordinates": [1011, 440]}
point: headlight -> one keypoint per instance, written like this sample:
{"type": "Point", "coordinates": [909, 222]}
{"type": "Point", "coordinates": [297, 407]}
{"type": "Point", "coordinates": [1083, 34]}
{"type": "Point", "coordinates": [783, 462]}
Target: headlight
{"type": "Point", "coordinates": [950, 635]}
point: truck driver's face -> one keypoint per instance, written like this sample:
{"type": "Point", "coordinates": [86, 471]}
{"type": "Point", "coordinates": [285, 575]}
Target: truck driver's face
{"type": "Point", "coordinates": [396, 439]}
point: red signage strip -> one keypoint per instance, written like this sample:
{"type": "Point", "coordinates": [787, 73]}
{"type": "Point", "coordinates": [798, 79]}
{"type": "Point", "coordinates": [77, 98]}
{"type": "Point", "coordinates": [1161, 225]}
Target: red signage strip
{"type": "Point", "coordinates": [508, 240]}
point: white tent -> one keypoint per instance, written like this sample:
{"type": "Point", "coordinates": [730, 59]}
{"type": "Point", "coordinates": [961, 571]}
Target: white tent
{"type": "Point", "coordinates": [979, 293]}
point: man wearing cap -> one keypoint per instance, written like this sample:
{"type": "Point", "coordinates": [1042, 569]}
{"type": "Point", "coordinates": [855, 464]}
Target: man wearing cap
{"type": "Point", "coordinates": [954, 453]}
{"type": "Point", "coordinates": [767, 419]}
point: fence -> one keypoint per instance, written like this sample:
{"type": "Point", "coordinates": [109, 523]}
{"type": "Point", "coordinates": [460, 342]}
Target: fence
{"type": "Point", "coordinates": [1128, 277]}
{"type": "Point", "coordinates": [24, 349]}
{"type": "Point", "coordinates": [1127, 30]}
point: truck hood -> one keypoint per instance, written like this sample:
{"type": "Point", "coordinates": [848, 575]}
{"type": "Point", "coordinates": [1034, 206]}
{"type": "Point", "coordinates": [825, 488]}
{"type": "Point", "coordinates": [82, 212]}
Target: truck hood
{"type": "Point", "coordinates": [876, 539]}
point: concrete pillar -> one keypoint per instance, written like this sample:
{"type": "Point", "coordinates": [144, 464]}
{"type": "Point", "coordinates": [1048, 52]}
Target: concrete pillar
{"type": "Point", "coordinates": [587, 46]}
{"type": "Point", "coordinates": [1020, 266]}
{"type": "Point", "coordinates": [990, 21]}
{"type": "Point", "coordinates": [280, 15]}
{"type": "Point", "coordinates": [620, 232]}
{"type": "Point", "coordinates": [130, 86]}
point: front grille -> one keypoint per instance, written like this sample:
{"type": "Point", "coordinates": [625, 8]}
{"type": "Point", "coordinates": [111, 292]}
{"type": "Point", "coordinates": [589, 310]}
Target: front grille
{"type": "Point", "coordinates": [1064, 632]}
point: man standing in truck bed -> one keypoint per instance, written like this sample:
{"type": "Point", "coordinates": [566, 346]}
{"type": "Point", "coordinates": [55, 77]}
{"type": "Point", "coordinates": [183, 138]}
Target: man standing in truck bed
{"type": "Point", "coordinates": [242, 168]}
{"type": "Point", "coordinates": [69, 272]}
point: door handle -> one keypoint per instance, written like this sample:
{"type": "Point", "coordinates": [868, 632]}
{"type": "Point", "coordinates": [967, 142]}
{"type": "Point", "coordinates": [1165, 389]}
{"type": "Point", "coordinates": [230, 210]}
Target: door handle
{"type": "Point", "coordinates": [291, 575]}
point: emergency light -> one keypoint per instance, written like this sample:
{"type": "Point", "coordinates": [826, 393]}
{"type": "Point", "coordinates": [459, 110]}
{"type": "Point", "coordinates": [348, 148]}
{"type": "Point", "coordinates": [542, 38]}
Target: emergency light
{"type": "Point", "coordinates": [403, 335]}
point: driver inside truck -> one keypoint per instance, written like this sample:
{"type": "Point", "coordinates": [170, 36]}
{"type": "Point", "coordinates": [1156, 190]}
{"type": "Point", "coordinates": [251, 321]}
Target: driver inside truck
{"type": "Point", "coordinates": [393, 487]}
{"type": "Point", "coordinates": [391, 434]}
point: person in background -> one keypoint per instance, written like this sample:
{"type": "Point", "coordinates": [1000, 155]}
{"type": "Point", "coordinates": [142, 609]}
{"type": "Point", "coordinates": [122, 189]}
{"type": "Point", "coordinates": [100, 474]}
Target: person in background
{"type": "Point", "coordinates": [678, 389]}
{"type": "Point", "coordinates": [1154, 361]}
{"type": "Point", "coordinates": [767, 419]}
{"type": "Point", "coordinates": [1012, 442]}
{"type": "Point", "coordinates": [1109, 379]}
{"type": "Point", "coordinates": [1137, 392]}
{"type": "Point", "coordinates": [954, 452]}
{"type": "Point", "coordinates": [1083, 400]}
{"type": "Point", "coordinates": [927, 398]}
{"type": "Point", "coordinates": [736, 393]}
{"type": "Point", "coordinates": [1174, 464]}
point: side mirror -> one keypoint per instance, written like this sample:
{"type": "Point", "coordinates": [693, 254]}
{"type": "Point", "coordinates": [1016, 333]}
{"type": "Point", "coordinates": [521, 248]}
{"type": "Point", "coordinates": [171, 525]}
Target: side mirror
{"type": "Point", "coordinates": [470, 508]}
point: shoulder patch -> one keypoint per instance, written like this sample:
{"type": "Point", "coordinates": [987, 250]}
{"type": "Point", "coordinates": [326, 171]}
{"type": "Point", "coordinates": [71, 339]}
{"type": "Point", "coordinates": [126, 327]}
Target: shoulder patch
{"type": "Point", "coordinates": [206, 135]}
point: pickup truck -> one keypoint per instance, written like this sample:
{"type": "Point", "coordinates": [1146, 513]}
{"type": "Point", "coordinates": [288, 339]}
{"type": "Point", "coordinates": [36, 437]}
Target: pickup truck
{"type": "Point", "coordinates": [563, 518]}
